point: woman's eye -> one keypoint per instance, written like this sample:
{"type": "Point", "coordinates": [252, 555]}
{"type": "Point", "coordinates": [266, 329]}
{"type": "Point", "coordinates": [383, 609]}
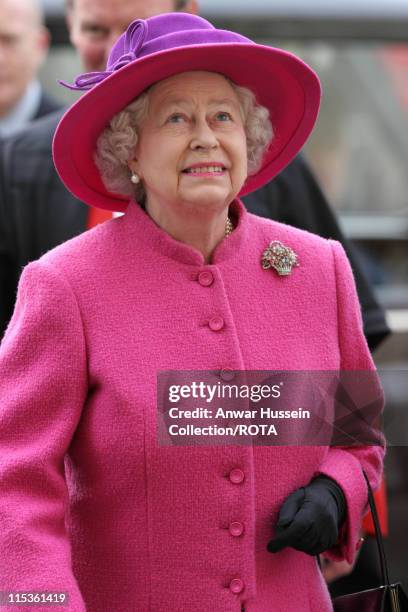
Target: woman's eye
{"type": "Point", "coordinates": [223, 116]}
{"type": "Point", "coordinates": [175, 118]}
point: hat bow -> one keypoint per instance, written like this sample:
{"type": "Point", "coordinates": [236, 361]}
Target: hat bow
{"type": "Point", "coordinates": [133, 42]}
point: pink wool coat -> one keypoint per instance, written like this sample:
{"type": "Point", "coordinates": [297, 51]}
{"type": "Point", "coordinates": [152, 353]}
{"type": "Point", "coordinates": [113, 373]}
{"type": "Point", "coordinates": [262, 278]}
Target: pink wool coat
{"type": "Point", "coordinates": [90, 503]}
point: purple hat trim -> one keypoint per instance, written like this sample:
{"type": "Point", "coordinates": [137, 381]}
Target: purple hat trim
{"type": "Point", "coordinates": [134, 38]}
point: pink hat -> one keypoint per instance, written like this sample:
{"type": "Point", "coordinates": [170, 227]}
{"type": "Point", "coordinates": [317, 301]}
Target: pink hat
{"type": "Point", "coordinates": [169, 44]}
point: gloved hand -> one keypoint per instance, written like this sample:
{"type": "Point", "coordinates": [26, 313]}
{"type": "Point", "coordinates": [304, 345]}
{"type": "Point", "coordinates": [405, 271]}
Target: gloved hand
{"type": "Point", "coordinates": [309, 518]}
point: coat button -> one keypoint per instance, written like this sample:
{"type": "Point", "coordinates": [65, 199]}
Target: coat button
{"type": "Point", "coordinates": [227, 374]}
{"type": "Point", "coordinates": [236, 585]}
{"type": "Point", "coordinates": [216, 323]}
{"type": "Point", "coordinates": [236, 476]}
{"type": "Point", "coordinates": [236, 528]}
{"type": "Point", "coordinates": [206, 278]}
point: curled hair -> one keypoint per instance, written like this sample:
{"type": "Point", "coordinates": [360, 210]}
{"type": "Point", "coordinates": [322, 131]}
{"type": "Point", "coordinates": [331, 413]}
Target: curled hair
{"type": "Point", "coordinates": [116, 145]}
{"type": "Point", "coordinates": [258, 127]}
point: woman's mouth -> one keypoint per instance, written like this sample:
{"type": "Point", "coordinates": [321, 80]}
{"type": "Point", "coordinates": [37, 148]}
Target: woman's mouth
{"type": "Point", "coordinates": [205, 171]}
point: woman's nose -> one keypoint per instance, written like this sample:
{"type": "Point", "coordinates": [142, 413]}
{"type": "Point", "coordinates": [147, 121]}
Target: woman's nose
{"type": "Point", "coordinates": [203, 136]}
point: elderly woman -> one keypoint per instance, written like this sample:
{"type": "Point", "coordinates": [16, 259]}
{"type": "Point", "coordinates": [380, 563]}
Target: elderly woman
{"type": "Point", "coordinates": [184, 120]}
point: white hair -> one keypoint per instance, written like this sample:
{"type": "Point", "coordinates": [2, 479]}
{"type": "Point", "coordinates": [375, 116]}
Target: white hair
{"type": "Point", "coordinates": [116, 145]}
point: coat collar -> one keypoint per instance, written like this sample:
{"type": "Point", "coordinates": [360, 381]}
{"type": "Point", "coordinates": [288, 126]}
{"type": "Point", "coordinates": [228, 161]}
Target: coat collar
{"type": "Point", "coordinates": [150, 235]}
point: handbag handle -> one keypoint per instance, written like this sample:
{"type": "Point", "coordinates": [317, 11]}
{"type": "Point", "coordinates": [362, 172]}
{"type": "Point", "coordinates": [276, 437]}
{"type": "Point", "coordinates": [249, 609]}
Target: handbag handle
{"type": "Point", "coordinates": [378, 535]}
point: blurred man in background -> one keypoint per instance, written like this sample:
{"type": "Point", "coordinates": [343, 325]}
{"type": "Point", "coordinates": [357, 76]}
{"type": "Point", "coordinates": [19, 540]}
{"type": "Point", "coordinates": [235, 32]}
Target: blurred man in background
{"type": "Point", "coordinates": [24, 43]}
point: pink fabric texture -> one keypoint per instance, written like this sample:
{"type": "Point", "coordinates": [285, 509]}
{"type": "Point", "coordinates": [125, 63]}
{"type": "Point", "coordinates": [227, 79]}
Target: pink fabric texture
{"type": "Point", "coordinates": [90, 503]}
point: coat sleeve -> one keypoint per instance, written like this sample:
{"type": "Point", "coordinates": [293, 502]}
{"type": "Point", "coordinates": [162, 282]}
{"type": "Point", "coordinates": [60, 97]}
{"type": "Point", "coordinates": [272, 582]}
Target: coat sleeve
{"type": "Point", "coordinates": [43, 385]}
{"type": "Point", "coordinates": [345, 464]}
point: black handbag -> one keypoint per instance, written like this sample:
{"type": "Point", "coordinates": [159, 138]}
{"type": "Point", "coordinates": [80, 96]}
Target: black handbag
{"type": "Point", "coordinates": [386, 598]}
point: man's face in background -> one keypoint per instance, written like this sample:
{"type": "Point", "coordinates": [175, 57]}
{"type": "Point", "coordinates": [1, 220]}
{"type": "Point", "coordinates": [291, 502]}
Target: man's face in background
{"type": "Point", "coordinates": [96, 24]}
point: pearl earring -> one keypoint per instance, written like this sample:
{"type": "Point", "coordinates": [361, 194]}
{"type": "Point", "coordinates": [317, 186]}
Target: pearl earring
{"type": "Point", "coordinates": [135, 178]}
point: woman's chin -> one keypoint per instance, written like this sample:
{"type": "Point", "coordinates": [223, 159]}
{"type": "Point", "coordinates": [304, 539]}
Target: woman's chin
{"type": "Point", "coordinates": [214, 196]}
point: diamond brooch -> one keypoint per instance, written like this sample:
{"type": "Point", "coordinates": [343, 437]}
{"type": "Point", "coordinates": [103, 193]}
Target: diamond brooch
{"type": "Point", "coordinates": [280, 257]}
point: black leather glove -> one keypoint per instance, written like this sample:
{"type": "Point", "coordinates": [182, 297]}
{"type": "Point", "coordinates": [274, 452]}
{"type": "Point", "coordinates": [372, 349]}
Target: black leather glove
{"type": "Point", "coordinates": [309, 518]}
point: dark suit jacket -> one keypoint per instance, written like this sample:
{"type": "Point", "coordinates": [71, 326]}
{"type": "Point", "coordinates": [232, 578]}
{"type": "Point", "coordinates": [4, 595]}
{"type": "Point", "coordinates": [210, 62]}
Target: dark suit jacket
{"type": "Point", "coordinates": [37, 213]}
{"type": "Point", "coordinates": [48, 105]}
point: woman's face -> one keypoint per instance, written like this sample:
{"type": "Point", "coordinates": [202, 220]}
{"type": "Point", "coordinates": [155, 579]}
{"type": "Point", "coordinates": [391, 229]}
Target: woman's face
{"type": "Point", "coordinates": [192, 145]}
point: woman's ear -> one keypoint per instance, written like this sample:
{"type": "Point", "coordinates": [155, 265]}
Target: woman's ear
{"type": "Point", "coordinates": [135, 174]}
{"type": "Point", "coordinates": [133, 166]}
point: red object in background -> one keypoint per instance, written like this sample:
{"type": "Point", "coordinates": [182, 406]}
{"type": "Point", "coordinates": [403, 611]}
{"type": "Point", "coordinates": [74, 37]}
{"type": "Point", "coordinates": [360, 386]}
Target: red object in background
{"type": "Point", "coordinates": [97, 215]}
{"type": "Point", "coordinates": [380, 497]}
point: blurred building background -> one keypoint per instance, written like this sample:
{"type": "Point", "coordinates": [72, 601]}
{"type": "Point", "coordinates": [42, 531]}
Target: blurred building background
{"type": "Point", "coordinates": [359, 151]}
